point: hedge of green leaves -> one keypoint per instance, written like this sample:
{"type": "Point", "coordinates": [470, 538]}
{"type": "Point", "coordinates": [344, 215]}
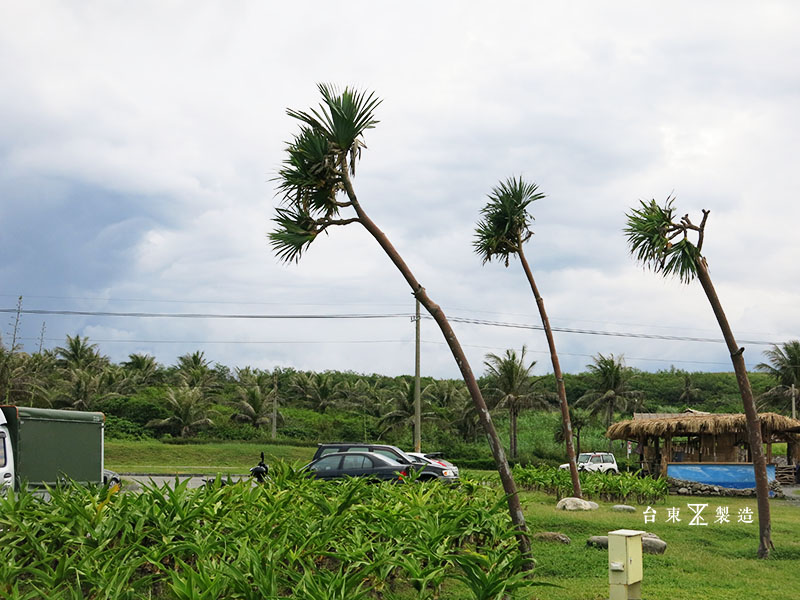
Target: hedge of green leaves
{"type": "Point", "coordinates": [624, 487]}
{"type": "Point", "coordinates": [290, 538]}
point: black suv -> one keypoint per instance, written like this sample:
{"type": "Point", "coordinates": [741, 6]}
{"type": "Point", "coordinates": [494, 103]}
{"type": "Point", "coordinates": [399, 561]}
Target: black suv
{"type": "Point", "coordinates": [426, 471]}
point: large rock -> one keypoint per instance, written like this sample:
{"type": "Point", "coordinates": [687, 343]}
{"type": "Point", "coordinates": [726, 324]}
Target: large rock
{"type": "Point", "coordinates": [576, 504]}
{"type": "Point", "coordinates": [598, 541]}
{"type": "Point", "coordinates": [623, 508]}
{"type": "Point", "coordinates": [552, 536]}
{"type": "Point", "coordinates": [651, 543]}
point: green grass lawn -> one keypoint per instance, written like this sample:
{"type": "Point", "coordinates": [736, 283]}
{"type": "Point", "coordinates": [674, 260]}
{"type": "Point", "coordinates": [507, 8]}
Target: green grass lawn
{"type": "Point", "coordinates": [155, 457]}
{"type": "Point", "coordinates": [715, 562]}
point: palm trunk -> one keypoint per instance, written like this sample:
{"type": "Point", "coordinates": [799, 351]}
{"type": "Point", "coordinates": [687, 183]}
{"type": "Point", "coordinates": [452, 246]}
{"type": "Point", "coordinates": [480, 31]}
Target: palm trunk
{"type": "Point", "coordinates": [562, 392]}
{"type": "Point", "coordinates": [506, 478]}
{"type": "Point", "coordinates": [753, 422]}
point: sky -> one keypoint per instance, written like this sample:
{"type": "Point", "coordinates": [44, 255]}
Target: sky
{"type": "Point", "coordinates": [139, 143]}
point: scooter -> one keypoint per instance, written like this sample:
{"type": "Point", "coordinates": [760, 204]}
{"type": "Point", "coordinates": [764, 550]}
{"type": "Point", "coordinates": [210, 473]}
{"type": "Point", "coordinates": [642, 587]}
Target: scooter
{"type": "Point", "coordinates": [259, 473]}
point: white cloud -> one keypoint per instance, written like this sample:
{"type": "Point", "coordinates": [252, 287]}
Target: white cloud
{"type": "Point", "coordinates": [138, 142]}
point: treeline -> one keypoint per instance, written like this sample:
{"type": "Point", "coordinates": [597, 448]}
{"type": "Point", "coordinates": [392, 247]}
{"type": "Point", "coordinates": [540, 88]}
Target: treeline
{"type": "Point", "coordinates": [195, 399]}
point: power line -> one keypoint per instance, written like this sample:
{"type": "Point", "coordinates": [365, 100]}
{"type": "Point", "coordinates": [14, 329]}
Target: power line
{"type": "Point", "coordinates": [150, 315]}
{"type": "Point", "coordinates": [409, 341]}
{"type": "Point", "coordinates": [649, 336]}
{"type": "Point", "coordinates": [621, 334]}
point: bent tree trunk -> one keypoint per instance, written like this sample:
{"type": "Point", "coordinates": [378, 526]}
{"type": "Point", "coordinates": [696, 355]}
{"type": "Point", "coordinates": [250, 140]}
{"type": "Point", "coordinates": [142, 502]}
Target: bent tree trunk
{"type": "Point", "coordinates": [753, 422]}
{"type": "Point", "coordinates": [507, 479]}
{"type": "Point", "coordinates": [562, 392]}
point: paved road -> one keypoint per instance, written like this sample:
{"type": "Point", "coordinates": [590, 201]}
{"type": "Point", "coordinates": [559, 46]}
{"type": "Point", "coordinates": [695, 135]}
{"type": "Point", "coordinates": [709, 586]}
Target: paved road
{"type": "Point", "coordinates": [194, 480]}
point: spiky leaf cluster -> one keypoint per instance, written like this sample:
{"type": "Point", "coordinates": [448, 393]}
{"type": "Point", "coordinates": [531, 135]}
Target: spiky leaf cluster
{"type": "Point", "coordinates": [650, 230]}
{"type": "Point", "coordinates": [318, 159]}
{"type": "Point", "coordinates": [505, 221]}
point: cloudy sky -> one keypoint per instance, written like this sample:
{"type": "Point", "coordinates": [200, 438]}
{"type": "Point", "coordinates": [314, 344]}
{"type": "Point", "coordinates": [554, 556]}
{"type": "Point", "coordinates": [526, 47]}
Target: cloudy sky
{"type": "Point", "coordinates": [138, 142]}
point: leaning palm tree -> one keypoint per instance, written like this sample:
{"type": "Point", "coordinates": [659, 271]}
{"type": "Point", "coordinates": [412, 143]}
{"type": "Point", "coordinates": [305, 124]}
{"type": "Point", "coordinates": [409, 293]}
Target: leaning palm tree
{"type": "Point", "coordinates": [660, 241]}
{"type": "Point", "coordinates": [784, 366]}
{"type": "Point", "coordinates": [501, 233]}
{"type": "Point", "coordinates": [511, 385]}
{"type": "Point", "coordinates": [317, 186]}
{"type": "Point", "coordinates": [611, 390]}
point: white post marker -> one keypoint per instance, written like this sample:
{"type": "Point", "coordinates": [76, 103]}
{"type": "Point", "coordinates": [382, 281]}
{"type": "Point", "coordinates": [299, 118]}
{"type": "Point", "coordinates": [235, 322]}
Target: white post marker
{"type": "Point", "coordinates": [625, 564]}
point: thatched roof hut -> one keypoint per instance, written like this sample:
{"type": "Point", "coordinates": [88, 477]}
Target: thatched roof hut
{"type": "Point", "coordinates": [694, 437]}
{"type": "Point", "coordinates": [695, 424]}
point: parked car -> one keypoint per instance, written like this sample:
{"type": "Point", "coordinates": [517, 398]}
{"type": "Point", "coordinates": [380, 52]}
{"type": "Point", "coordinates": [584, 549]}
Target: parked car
{"type": "Point", "coordinates": [598, 462]}
{"type": "Point", "coordinates": [356, 464]}
{"type": "Point", "coordinates": [435, 458]}
{"type": "Point", "coordinates": [427, 470]}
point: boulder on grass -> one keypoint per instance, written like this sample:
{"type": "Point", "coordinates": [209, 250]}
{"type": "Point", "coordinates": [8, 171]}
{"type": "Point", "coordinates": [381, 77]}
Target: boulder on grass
{"type": "Point", "coordinates": [552, 536]}
{"type": "Point", "coordinates": [651, 543]}
{"type": "Point", "coordinates": [598, 541]}
{"type": "Point", "coordinates": [623, 508]}
{"type": "Point", "coordinates": [576, 504]}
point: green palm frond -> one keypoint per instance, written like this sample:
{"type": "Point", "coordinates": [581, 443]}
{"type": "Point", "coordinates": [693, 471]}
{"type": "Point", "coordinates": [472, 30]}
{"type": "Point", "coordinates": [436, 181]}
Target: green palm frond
{"type": "Point", "coordinates": [316, 165]}
{"type": "Point", "coordinates": [505, 221]}
{"type": "Point", "coordinates": [342, 118]}
{"type": "Point", "coordinates": [308, 176]}
{"type": "Point", "coordinates": [650, 230]}
{"type": "Point", "coordinates": [293, 233]}
{"type": "Point", "coordinates": [681, 260]}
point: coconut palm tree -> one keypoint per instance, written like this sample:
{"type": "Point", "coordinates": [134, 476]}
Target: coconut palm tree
{"type": "Point", "coordinates": [579, 419]}
{"type": "Point", "coordinates": [190, 411]}
{"type": "Point", "coordinates": [317, 187]}
{"type": "Point", "coordinates": [78, 353]}
{"type": "Point", "coordinates": [318, 391]}
{"type": "Point", "coordinates": [509, 382]}
{"type": "Point", "coordinates": [689, 393]}
{"type": "Point", "coordinates": [501, 233]}
{"type": "Point", "coordinates": [255, 405]}
{"type": "Point", "coordinates": [660, 241]}
{"type": "Point", "coordinates": [143, 368]}
{"type": "Point", "coordinates": [195, 370]}
{"type": "Point", "coordinates": [612, 392]}
{"type": "Point", "coordinates": [403, 410]}
{"type": "Point", "coordinates": [784, 366]}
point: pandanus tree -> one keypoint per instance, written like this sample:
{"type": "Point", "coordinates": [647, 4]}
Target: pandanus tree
{"type": "Point", "coordinates": [501, 233]}
{"type": "Point", "coordinates": [661, 242]}
{"type": "Point", "coordinates": [316, 185]}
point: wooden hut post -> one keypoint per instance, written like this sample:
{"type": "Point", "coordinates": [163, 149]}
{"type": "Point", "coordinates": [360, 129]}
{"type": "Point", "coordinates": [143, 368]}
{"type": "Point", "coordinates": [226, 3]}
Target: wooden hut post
{"type": "Point", "coordinates": [666, 456]}
{"type": "Point", "coordinates": [769, 451]}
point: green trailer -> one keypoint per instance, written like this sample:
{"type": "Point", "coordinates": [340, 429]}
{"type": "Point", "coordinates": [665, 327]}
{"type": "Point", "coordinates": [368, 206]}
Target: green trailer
{"type": "Point", "coordinates": [45, 446]}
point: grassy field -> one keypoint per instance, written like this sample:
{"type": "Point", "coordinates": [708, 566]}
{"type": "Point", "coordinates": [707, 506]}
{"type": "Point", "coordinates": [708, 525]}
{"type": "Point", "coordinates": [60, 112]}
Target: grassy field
{"type": "Point", "coordinates": [717, 561]}
{"type": "Point", "coordinates": [155, 457]}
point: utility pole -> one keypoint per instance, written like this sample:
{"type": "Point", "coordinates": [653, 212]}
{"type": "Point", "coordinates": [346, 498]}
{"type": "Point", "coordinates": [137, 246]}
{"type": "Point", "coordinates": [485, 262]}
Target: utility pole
{"type": "Point", "coordinates": [417, 401]}
{"type": "Point", "coordinates": [275, 403]}
{"type": "Point", "coordinates": [41, 336]}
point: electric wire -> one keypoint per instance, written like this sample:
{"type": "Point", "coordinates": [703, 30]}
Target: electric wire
{"type": "Point", "coordinates": [464, 320]}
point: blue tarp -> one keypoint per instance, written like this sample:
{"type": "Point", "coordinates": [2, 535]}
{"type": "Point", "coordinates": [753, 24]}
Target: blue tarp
{"type": "Point", "coordinates": [737, 476]}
